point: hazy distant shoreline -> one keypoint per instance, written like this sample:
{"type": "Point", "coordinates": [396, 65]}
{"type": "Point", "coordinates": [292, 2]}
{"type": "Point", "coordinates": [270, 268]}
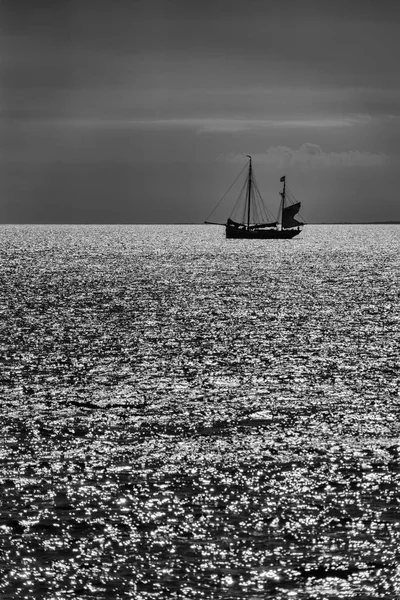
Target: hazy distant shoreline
{"type": "Point", "coordinates": [356, 223]}
{"type": "Point", "coordinates": [221, 224]}
{"type": "Point", "coordinates": [309, 223]}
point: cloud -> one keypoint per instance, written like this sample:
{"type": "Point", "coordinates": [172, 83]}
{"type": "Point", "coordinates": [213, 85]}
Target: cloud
{"type": "Point", "coordinates": [312, 156]}
{"type": "Point", "coordinates": [234, 125]}
{"type": "Point", "coordinates": [220, 125]}
{"type": "Point", "coordinates": [199, 124]}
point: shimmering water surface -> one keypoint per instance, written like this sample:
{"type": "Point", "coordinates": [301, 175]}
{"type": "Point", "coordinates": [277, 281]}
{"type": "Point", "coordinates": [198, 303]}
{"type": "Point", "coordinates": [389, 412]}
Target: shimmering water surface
{"type": "Point", "coordinates": [189, 417]}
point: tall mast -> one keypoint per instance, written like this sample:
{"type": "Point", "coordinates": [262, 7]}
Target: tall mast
{"type": "Point", "coordinates": [249, 195]}
{"type": "Point", "coordinates": [283, 192]}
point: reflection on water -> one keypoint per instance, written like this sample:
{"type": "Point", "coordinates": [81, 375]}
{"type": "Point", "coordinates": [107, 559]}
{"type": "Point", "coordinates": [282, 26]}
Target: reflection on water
{"type": "Point", "coordinates": [189, 417]}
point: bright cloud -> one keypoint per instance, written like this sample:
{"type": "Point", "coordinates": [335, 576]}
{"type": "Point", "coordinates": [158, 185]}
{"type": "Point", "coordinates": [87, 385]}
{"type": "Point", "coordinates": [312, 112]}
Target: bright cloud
{"type": "Point", "coordinates": [203, 124]}
{"type": "Point", "coordinates": [310, 155]}
{"type": "Point", "coordinates": [219, 125]}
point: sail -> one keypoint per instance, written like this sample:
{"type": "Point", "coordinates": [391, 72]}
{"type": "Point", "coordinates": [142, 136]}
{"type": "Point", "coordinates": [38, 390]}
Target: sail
{"type": "Point", "coordinates": [288, 216]}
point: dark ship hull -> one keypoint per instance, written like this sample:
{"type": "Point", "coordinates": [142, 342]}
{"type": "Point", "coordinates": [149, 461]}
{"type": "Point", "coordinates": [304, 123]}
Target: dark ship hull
{"type": "Point", "coordinates": [266, 234]}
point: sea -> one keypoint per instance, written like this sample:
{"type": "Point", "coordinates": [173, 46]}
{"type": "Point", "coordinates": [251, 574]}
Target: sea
{"type": "Point", "coordinates": [189, 417]}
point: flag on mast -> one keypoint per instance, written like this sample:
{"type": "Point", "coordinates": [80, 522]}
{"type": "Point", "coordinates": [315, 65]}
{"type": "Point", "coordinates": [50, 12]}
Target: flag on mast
{"type": "Point", "coordinates": [283, 178]}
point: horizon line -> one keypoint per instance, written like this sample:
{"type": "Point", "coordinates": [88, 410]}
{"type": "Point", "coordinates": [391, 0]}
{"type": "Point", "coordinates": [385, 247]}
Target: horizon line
{"type": "Point", "coordinates": [390, 222]}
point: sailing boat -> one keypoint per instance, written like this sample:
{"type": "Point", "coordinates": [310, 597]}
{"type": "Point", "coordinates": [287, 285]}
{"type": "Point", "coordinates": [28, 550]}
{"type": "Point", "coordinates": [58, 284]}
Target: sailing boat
{"type": "Point", "coordinates": [252, 221]}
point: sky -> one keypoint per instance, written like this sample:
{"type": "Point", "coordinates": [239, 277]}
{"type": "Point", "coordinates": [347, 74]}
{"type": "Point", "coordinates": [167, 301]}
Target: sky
{"type": "Point", "coordinates": [143, 111]}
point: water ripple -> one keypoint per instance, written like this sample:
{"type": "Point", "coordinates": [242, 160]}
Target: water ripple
{"type": "Point", "coordinates": [188, 417]}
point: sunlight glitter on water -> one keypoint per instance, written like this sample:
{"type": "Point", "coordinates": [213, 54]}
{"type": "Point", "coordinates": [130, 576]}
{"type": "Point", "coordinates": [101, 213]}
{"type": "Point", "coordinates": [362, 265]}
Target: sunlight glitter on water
{"type": "Point", "coordinates": [189, 417]}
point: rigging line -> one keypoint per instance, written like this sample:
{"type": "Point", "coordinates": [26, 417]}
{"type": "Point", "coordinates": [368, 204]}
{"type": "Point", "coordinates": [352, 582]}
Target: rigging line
{"type": "Point", "coordinates": [256, 208]}
{"type": "Point", "coordinates": [239, 200]}
{"type": "Point", "coordinates": [289, 194]}
{"type": "Point", "coordinates": [262, 208]}
{"type": "Point", "coordinates": [302, 218]}
{"type": "Point", "coordinates": [265, 212]}
{"type": "Point", "coordinates": [266, 216]}
{"type": "Point", "coordinates": [294, 200]}
{"type": "Point", "coordinates": [256, 211]}
{"type": "Point", "coordinates": [259, 213]}
{"type": "Point", "coordinates": [242, 201]}
{"type": "Point", "coordinates": [279, 212]}
{"type": "Point", "coordinates": [254, 205]}
{"type": "Point", "coordinates": [242, 217]}
{"type": "Point", "coordinates": [227, 191]}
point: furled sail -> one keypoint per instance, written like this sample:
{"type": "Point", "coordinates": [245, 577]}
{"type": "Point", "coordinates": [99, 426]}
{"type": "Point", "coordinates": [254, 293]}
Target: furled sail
{"type": "Point", "coordinates": [231, 223]}
{"type": "Point", "coordinates": [261, 225]}
{"type": "Point", "coordinates": [288, 213]}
